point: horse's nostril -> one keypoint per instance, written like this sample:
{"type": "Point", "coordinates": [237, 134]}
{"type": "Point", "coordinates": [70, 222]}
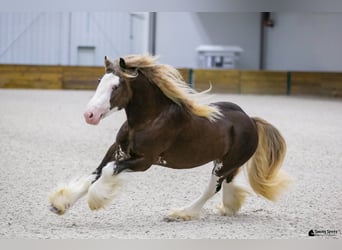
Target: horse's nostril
{"type": "Point", "coordinates": [91, 115]}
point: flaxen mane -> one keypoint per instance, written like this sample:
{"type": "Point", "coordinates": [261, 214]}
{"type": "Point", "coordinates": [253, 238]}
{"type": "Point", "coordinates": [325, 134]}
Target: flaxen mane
{"type": "Point", "coordinates": [170, 82]}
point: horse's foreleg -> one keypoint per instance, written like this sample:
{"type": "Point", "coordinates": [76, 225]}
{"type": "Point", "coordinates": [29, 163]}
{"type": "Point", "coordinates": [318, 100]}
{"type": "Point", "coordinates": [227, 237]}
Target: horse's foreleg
{"type": "Point", "coordinates": [114, 153]}
{"type": "Point", "coordinates": [102, 192]}
{"type": "Point", "coordinates": [117, 152]}
{"type": "Point", "coordinates": [64, 197]}
{"type": "Point", "coordinates": [104, 189]}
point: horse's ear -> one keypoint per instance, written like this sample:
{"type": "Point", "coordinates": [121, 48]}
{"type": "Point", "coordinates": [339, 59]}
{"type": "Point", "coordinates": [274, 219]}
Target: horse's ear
{"type": "Point", "coordinates": [108, 65]}
{"type": "Point", "coordinates": [122, 63]}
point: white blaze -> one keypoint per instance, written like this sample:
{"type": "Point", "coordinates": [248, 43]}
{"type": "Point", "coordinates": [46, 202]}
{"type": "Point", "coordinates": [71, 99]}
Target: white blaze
{"type": "Point", "coordinates": [99, 105]}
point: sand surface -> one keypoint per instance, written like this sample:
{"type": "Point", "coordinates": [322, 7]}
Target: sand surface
{"type": "Point", "coordinates": [44, 141]}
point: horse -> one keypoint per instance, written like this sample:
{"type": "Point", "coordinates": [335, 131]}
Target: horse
{"type": "Point", "coordinates": [167, 125]}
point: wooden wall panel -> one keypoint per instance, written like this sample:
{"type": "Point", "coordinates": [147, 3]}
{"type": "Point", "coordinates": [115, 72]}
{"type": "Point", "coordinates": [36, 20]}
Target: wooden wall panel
{"type": "Point", "coordinates": [185, 74]}
{"type": "Point", "coordinates": [305, 83]}
{"type": "Point", "coordinates": [223, 81]}
{"type": "Point", "coordinates": [263, 82]}
{"type": "Point", "coordinates": [331, 84]}
{"type": "Point", "coordinates": [316, 83]}
{"type": "Point", "coordinates": [81, 77]}
{"type": "Point", "coordinates": [21, 76]}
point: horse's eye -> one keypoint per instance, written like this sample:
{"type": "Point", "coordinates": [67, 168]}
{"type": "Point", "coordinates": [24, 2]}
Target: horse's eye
{"type": "Point", "coordinates": [115, 87]}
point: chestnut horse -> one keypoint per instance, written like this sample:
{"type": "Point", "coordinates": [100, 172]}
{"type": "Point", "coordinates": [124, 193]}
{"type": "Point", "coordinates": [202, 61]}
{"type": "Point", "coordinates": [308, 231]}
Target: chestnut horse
{"type": "Point", "coordinates": [166, 126]}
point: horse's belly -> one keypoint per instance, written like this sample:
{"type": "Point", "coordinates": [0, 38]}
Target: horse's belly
{"type": "Point", "coordinates": [194, 153]}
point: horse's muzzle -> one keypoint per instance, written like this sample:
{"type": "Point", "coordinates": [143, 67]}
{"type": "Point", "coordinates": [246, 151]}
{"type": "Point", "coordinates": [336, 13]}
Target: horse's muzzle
{"type": "Point", "coordinates": [92, 118]}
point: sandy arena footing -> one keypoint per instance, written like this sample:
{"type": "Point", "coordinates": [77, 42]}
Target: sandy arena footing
{"type": "Point", "coordinates": [45, 141]}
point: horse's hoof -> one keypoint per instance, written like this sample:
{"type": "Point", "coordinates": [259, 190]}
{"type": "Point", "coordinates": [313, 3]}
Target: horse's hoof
{"type": "Point", "coordinates": [56, 210]}
{"type": "Point", "coordinates": [94, 204]}
{"type": "Point", "coordinates": [172, 219]}
{"type": "Point", "coordinates": [224, 211]}
{"type": "Point", "coordinates": [180, 215]}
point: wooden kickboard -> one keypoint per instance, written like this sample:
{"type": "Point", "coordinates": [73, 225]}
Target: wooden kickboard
{"type": "Point", "coordinates": [316, 83]}
{"type": "Point", "coordinates": [22, 76]}
{"type": "Point", "coordinates": [263, 82]}
{"type": "Point", "coordinates": [222, 81]}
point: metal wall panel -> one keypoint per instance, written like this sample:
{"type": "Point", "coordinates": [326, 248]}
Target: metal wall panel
{"type": "Point", "coordinates": [107, 32]}
{"type": "Point", "coordinates": [32, 38]}
{"type": "Point", "coordinates": [54, 38]}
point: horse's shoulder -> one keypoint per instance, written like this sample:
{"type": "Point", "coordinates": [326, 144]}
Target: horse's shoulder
{"type": "Point", "coordinates": [123, 132]}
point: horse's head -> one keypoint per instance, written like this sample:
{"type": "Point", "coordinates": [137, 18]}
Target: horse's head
{"type": "Point", "coordinates": [112, 94]}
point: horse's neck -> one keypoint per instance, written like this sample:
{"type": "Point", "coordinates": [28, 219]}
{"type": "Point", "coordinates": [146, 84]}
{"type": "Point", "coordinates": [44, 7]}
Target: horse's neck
{"type": "Point", "coordinates": [146, 105]}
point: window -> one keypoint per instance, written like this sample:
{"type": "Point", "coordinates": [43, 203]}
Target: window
{"type": "Point", "coordinates": [86, 55]}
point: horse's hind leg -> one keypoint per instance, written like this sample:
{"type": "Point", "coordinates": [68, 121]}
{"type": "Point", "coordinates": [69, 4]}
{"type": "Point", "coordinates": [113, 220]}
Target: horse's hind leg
{"type": "Point", "coordinates": [192, 211]}
{"type": "Point", "coordinates": [233, 196]}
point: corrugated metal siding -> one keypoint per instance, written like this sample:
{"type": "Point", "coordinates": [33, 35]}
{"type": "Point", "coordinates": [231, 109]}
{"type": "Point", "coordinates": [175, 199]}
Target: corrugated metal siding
{"type": "Point", "coordinates": [54, 38]}
{"type": "Point", "coordinates": [32, 38]}
{"type": "Point", "coordinates": [107, 32]}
